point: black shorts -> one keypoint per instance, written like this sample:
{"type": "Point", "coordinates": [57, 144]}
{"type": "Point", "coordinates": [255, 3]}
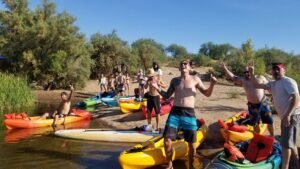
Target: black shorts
{"type": "Point", "coordinates": [153, 102]}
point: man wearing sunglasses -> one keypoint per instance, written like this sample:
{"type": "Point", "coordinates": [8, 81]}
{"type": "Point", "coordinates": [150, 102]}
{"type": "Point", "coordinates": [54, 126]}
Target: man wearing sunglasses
{"type": "Point", "coordinates": [182, 115]}
{"type": "Point", "coordinates": [287, 104]}
{"type": "Point", "coordinates": [257, 105]}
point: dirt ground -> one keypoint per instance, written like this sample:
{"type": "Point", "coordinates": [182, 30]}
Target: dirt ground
{"type": "Point", "coordinates": [225, 101]}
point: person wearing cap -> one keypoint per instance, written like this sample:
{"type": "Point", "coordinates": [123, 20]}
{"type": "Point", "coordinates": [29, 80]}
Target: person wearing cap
{"type": "Point", "coordinates": [287, 104]}
{"type": "Point", "coordinates": [258, 107]}
{"type": "Point", "coordinates": [153, 97]}
{"type": "Point", "coordinates": [182, 115]}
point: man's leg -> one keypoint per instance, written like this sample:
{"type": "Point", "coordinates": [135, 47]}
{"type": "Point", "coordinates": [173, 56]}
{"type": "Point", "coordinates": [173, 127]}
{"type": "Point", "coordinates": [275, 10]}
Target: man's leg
{"type": "Point", "coordinates": [192, 154]}
{"type": "Point", "coordinates": [169, 152]}
{"type": "Point", "coordinates": [157, 121]}
{"type": "Point", "coordinates": [286, 155]}
{"type": "Point", "coordinates": [271, 129]}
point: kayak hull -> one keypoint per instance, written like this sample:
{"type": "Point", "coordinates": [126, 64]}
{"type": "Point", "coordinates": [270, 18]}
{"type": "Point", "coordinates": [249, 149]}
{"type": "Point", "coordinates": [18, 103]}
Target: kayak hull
{"type": "Point", "coordinates": [152, 152]}
{"type": "Point", "coordinates": [35, 122]}
{"type": "Point", "coordinates": [129, 136]}
{"type": "Point", "coordinates": [273, 161]}
{"type": "Point", "coordinates": [129, 107]}
{"type": "Point", "coordinates": [237, 137]}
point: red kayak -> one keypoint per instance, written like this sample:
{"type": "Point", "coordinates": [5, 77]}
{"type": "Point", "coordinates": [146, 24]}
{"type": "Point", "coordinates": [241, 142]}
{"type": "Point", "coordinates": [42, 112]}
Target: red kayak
{"type": "Point", "coordinates": [15, 121]}
{"type": "Point", "coordinates": [166, 106]}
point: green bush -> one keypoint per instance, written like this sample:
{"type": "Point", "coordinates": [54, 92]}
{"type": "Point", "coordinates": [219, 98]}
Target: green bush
{"type": "Point", "coordinates": [14, 93]}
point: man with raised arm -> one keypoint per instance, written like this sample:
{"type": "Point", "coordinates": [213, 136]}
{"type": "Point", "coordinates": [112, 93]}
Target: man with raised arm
{"type": "Point", "coordinates": [182, 115]}
{"type": "Point", "coordinates": [287, 104]}
{"type": "Point", "coordinates": [257, 104]}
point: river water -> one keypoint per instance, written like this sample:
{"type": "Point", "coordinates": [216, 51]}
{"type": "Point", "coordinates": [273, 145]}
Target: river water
{"type": "Point", "coordinates": [39, 148]}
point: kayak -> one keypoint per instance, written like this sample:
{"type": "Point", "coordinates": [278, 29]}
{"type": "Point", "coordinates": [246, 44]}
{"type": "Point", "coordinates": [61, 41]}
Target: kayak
{"type": "Point", "coordinates": [95, 99]}
{"type": "Point", "coordinates": [235, 136]}
{"type": "Point", "coordinates": [129, 107]}
{"type": "Point", "coordinates": [107, 135]}
{"type": "Point", "coordinates": [17, 134]}
{"type": "Point", "coordinates": [152, 152]}
{"type": "Point", "coordinates": [272, 162]}
{"type": "Point", "coordinates": [166, 107]}
{"type": "Point", "coordinates": [112, 102]}
{"type": "Point", "coordinates": [36, 122]}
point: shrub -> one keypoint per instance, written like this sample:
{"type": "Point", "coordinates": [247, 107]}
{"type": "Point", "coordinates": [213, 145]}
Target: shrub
{"type": "Point", "coordinates": [14, 93]}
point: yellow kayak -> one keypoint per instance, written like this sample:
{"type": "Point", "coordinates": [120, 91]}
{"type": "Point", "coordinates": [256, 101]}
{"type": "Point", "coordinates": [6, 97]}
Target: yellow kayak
{"type": "Point", "coordinates": [152, 152]}
{"type": "Point", "coordinates": [237, 137]}
{"type": "Point", "coordinates": [129, 107]}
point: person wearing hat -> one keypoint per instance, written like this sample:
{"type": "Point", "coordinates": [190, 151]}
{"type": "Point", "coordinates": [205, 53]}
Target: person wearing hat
{"type": "Point", "coordinates": [153, 97]}
{"type": "Point", "coordinates": [182, 115]}
{"type": "Point", "coordinates": [258, 107]}
{"type": "Point", "coordinates": [287, 104]}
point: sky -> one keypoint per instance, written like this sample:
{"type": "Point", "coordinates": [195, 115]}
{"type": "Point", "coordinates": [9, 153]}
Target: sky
{"type": "Point", "coordinates": [190, 23]}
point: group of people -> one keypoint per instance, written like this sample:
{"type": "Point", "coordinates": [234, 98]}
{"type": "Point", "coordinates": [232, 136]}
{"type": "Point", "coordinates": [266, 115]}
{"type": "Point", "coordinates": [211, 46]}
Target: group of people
{"type": "Point", "coordinates": [284, 91]}
{"type": "Point", "coordinates": [117, 82]}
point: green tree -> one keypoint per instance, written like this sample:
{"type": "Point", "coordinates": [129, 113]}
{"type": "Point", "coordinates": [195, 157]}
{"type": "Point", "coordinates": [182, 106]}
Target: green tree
{"type": "Point", "coordinates": [34, 38]}
{"type": "Point", "coordinates": [109, 50]}
{"type": "Point", "coordinates": [216, 51]}
{"type": "Point", "coordinates": [148, 51]}
{"type": "Point", "coordinates": [248, 52]}
{"type": "Point", "coordinates": [176, 50]}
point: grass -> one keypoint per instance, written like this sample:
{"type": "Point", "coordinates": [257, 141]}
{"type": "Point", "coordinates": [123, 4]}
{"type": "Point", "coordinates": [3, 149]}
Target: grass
{"type": "Point", "coordinates": [14, 93]}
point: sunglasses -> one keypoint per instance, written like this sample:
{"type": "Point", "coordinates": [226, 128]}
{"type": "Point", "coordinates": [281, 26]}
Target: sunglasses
{"type": "Point", "coordinates": [184, 63]}
{"type": "Point", "coordinates": [246, 72]}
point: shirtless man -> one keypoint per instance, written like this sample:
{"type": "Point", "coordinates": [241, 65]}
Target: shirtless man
{"type": "Point", "coordinates": [257, 105]}
{"type": "Point", "coordinates": [286, 99]}
{"type": "Point", "coordinates": [182, 114]}
{"type": "Point", "coordinates": [153, 98]}
{"type": "Point", "coordinates": [120, 80]}
{"type": "Point", "coordinates": [63, 108]}
{"type": "Point", "coordinates": [142, 81]}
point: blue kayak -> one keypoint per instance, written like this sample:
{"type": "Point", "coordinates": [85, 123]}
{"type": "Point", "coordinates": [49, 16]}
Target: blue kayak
{"type": "Point", "coordinates": [95, 99]}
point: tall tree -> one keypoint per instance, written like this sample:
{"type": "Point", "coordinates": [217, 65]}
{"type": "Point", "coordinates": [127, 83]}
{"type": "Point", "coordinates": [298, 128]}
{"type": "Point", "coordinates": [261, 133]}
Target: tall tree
{"type": "Point", "coordinates": [247, 49]}
{"type": "Point", "coordinates": [148, 51]}
{"type": "Point", "coordinates": [176, 50]}
{"type": "Point", "coordinates": [109, 50]}
{"type": "Point", "coordinates": [43, 44]}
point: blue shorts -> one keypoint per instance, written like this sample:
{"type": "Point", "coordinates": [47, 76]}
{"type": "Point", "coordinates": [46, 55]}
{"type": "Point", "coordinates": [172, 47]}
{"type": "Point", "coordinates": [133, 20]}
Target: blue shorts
{"type": "Point", "coordinates": [260, 111]}
{"type": "Point", "coordinates": [181, 118]}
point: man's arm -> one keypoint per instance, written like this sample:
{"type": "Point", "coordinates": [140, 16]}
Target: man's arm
{"type": "Point", "coordinates": [207, 92]}
{"type": "Point", "coordinates": [71, 93]}
{"type": "Point", "coordinates": [230, 75]}
{"type": "Point", "coordinates": [255, 81]}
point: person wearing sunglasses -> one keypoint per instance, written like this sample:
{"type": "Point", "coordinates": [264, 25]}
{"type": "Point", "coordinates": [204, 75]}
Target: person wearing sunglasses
{"type": "Point", "coordinates": [182, 115]}
{"type": "Point", "coordinates": [286, 100]}
{"type": "Point", "coordinates": [258, 108]}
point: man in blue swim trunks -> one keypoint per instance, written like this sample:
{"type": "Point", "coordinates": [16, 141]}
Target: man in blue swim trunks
{"type": "Point", "coordinates": [257, 104]}
{"type": "Point", "coordinates": [182, 115]}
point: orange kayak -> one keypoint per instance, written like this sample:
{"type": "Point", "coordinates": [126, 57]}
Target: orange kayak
{"type": "Point", "coordinates": [13, 136]}
{"type": "Point", "coordinates": [36, 122]}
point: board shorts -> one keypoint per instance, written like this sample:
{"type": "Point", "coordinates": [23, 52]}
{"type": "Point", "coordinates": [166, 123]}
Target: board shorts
{"type": "Point", "coordinates": [260, 111]}
{"type": "Point", "coordinates": [153, 102]}
{"type": "Point", "coordinates": [290, 134]}
{"type": "Point", "coordinates": [53, 114]}
{"type": "Point", "coordinates": [181, 118]}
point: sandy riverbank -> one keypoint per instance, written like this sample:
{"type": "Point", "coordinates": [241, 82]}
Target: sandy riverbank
{"type": "Point", "coordinates": [221, 105]}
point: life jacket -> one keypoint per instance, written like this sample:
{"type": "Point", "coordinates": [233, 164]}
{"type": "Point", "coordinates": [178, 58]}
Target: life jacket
{"type": "Point", "coordinates": [260, 147]}
{"type": "Point", "coordinates": [200, 122]}
{"type": "Point", "coordinates": [232, 153]}
{"type": "Point", "coordinates": [232, 126]}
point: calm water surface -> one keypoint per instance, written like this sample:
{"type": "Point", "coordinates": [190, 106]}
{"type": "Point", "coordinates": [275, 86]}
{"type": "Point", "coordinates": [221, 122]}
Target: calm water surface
{"type": "Point", "coordinates": [39, 148]}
